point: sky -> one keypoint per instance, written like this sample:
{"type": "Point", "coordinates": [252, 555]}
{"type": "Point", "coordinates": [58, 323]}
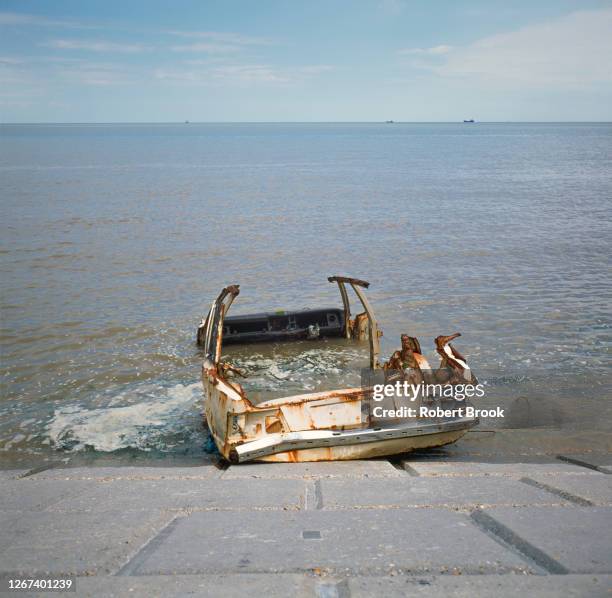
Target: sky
{"type": "Point", "coordinates": [308, 60]}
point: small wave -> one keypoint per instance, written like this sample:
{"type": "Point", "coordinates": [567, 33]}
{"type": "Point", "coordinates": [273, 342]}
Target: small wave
{"type": "Point", "coordinates": [158, 420]}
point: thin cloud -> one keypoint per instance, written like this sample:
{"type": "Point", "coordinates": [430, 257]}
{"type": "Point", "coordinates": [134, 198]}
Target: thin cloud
{"type": "Point", "coordinates": [44, 72]}
{"type": "Point", "coordinates": [93, 73]}
{"type": "Point", "coordinates": [35, 60]}
{"type": "Point", "coordinates": [95, 46]}
{"type": "Point", "coordinates": [572, 51]}
{"type": "Point", "coordinates": [224, 37]}
{"type": "Point", "coordinates": [433, 51]}
{"type": "Point", "coordinates": [207, 48]}
{"type": "Point", "coordinates": [16, 18]}
{"type": "Point", "coordinates": [96, 76]}
{"type": "Point", "coordinates": [314, 69]}
{"type": "Point", "coordinates": [217, 42]}
{"type": "Point", "coordinates": [9, 60]}
{"type": "Point", "coordinates": [250, 74]}
{"type": "Point", "coordinates": [208, 61]}
{"type": "Point", "coordinates": [242, 74]}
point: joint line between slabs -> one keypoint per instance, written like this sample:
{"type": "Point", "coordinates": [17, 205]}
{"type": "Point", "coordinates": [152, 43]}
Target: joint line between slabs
{"type": "Point", "coordinates": [148, 548]}
{"type": "Point", "coordinates": [509, 539]}
{"type": "Point", "coordinates": [581, 463]}
{"type": "Point", "coordinates": [577, 500]}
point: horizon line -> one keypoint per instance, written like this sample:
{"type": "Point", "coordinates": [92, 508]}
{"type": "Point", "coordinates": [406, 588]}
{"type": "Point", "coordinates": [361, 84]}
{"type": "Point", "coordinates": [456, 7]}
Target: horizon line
{"type": "Point", "coordinates": [305, 122]}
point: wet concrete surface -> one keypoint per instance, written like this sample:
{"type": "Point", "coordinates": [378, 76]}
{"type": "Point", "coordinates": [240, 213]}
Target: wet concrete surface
{"type": "Point", "coordinates": [425, 524]}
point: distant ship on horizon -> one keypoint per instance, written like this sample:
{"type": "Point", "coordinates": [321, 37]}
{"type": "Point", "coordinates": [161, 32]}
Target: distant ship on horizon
{"type": "Point", "coordinates": [471, 120]}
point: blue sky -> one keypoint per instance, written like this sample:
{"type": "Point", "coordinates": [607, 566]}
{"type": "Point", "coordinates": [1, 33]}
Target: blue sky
{"type": "Point", "coordinates": [333, 60]}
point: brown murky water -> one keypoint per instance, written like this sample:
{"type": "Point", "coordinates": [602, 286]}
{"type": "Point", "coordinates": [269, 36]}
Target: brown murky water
{"type": "Point", "coordinates": [116, 237]}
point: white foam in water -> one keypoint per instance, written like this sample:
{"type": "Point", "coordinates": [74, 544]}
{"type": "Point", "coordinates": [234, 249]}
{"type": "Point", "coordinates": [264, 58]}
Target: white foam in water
{"type": "Point", "coordinates": [148, 424]}
{"type": "Point", "coordinates": [149, 417]}
{"type": "Point", "coordinates": [300, 372]}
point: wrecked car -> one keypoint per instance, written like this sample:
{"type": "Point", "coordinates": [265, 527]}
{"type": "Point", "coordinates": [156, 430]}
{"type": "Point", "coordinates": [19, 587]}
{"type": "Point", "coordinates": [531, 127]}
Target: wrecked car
{"type": "Point", "coordinates": [331, 425]}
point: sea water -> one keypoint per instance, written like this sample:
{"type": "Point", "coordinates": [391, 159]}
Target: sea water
{"type": "Point", "coordinates": [116, 238]}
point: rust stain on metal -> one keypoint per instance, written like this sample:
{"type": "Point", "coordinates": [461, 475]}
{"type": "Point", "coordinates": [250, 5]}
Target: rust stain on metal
{"type": "Point", "coordinates": [316, 426]}
{"type": "Point", "coordinates": [273, 424]}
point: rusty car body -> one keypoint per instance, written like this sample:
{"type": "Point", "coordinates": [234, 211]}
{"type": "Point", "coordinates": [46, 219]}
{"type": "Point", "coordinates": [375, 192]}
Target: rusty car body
{"type": "Point", "coordinates": [330, 425]}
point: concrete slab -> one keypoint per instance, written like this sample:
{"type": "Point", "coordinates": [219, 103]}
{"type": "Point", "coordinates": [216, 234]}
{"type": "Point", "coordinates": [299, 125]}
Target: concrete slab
{"type": "Point", "coordinates": [202, 472]}
{"type": "Point", "coordinates": [229, 586]}
{"type": "Point", "coordinates": [579, 538]}
{"type": "Point", "coordinates": [324, 469]}
{"type": "Point", "coordinates": [307, 586]}
{"type": "Point", "coordinates": [599, 461]}
{"type": "Point", "coordinates": [475, 468]}
{"type": "Point", "coordinates": [11, 474]}
{"type": "Point", "coordinates": [440, 491]}
{"type": "Point", "coordinates": [139, 495]}
{"type": "Point", "coordinates": [78, 543]}
{"type": "Point", "coordinates": [500, 586]}
{"type": "Point", "coordinates": [525, 442]}
{"type": "Point", "coordinates": [412, 540]}
{"type": "Point", "coordinates": [36, 495]}
{"type": "Point", "coordinates": [596, 488]}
